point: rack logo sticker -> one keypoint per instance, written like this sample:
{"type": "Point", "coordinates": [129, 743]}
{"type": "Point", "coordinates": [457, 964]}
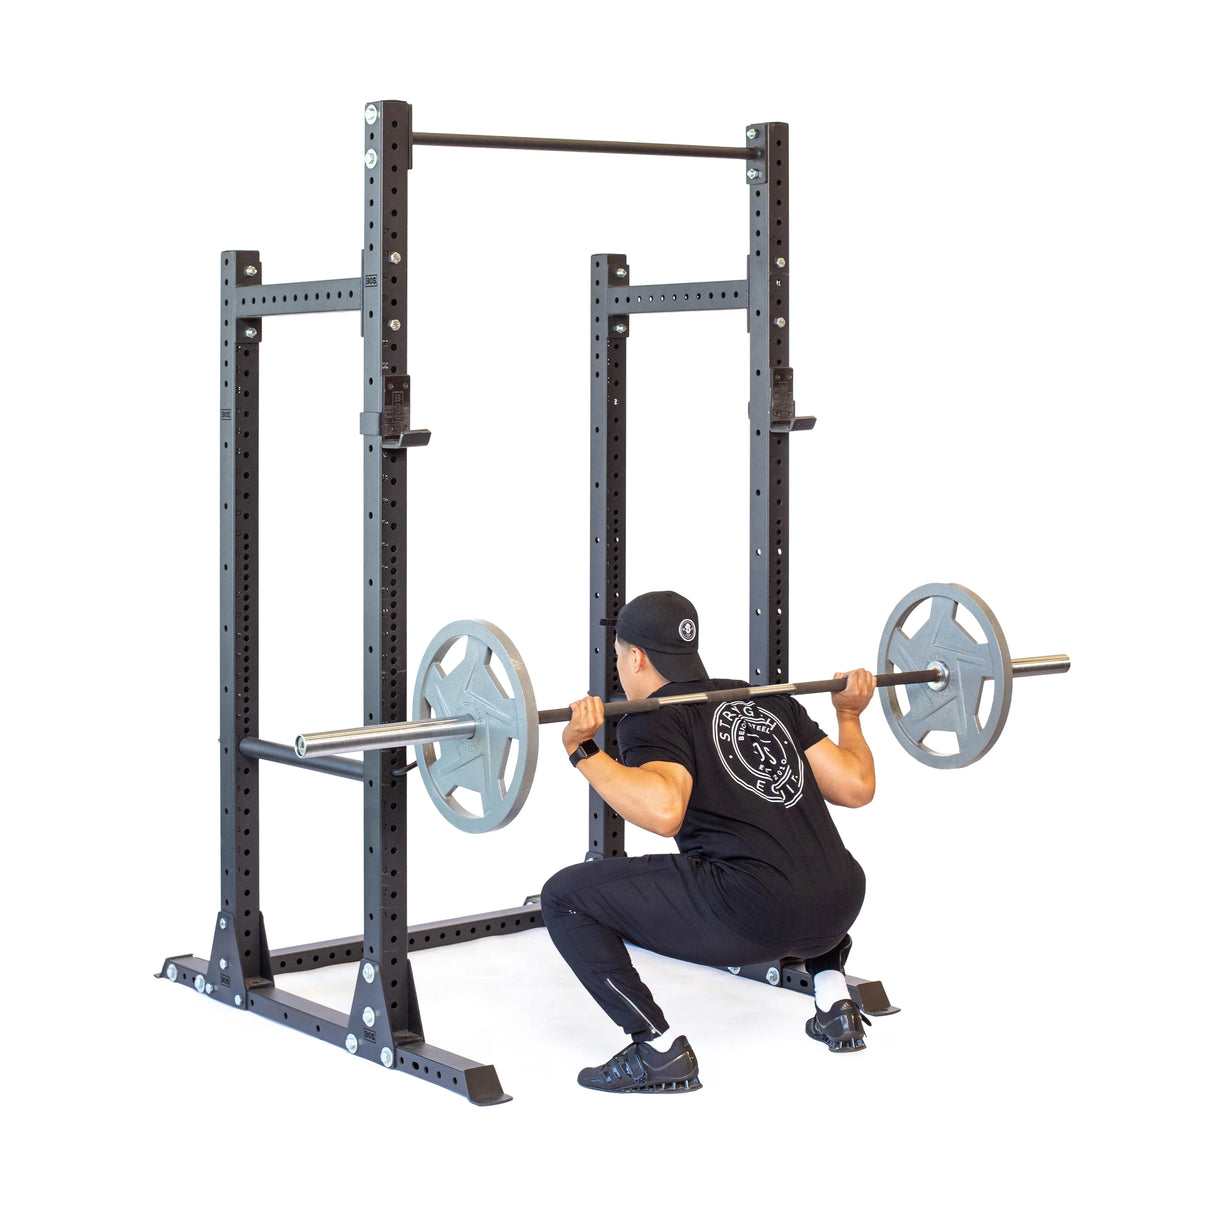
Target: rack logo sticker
{"type": "Point", "coordinates": [758, 752]}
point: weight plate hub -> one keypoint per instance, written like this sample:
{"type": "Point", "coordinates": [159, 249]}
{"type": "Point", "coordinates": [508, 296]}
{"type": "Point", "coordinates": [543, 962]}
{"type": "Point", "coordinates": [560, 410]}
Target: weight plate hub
{"type": "Point", "coordinates": [506, 721]}
{"type": "Point", "coordinates": [952, 704]}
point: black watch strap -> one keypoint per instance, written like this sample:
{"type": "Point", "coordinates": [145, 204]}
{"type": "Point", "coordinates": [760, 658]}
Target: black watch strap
{"type": "Point", "coordinates": [584, 751]}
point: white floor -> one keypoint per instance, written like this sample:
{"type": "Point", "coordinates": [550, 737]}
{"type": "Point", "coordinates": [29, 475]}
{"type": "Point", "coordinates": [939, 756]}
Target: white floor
{"type": "Point", "coordinates": [980, 1103]}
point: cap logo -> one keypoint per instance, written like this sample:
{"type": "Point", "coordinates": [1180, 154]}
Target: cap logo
{"type": "Point", "coordinates": [687, 630]}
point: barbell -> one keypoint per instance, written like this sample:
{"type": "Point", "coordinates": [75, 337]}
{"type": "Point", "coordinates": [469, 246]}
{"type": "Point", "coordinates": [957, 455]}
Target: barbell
{"type": "Point", "coordinates": [468, 725]}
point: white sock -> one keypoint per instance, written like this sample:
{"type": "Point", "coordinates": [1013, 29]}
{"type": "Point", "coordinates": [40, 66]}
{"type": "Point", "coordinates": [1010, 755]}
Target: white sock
{"type": "Point", "coordinates": [829, 987]}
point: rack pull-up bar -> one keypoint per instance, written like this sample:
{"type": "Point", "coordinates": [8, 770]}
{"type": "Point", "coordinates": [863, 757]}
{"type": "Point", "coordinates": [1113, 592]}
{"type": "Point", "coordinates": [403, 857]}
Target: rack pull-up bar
{"type": "Point", "coordinates": [527, 144]}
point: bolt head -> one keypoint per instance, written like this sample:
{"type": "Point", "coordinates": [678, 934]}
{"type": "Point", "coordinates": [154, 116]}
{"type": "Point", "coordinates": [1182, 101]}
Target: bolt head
{"type": "Point", "coordinates": [352, 1043]}
{"type": "Point", "coordinates": [368, 972]}
{"type": "Point", "coordinates": [751, 133]}
{"type": "Point", "coordinates": [773, 976]}
{"type": "Point", "coordinates": [370, 114]}
{"type": "Point", "coordinates": [780, 322]}
{"type": "Point", "coordinates": [751, 174]}
{"type": "Point", "coordinates": [387, 1057]}
{"type": "Point", "coordinates": [369, 1016]}
{"type": "Point", "coordinates": [371, 159]}
{"type": "Point", "coordinates": [394, 258]}
{"type": "Point", "coordinates": [250, 271]}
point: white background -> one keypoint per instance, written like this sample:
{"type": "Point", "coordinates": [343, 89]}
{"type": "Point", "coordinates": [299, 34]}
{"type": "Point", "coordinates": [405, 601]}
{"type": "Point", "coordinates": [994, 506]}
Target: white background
{"type": "Point", "coordinates": [1002, 260]}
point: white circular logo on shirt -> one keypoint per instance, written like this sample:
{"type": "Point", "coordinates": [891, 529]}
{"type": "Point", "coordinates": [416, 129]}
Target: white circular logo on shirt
{"type": "Point", "coordinates": [687, 630]}
{"type": "Point", "coordinates": [758, 752]}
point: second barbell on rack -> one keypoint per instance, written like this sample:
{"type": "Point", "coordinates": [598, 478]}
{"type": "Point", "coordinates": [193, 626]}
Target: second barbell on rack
{"type": "Point", "coordinates": [469, 726]}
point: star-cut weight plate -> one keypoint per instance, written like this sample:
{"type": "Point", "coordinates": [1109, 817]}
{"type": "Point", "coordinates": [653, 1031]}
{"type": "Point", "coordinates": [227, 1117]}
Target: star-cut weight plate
{"type": "Point", "coordinates": [506, 720]}
{"type": "Point", "coordinates": [950, 705]}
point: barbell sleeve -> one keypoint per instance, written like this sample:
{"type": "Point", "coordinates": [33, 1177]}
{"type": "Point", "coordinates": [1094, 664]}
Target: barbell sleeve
{"type": "Point", "coordinates": [1056, 663]}
{"type": "Point", "coordinates": [443, 729]}
{"type": "Point", "coordinates": [385, 737]}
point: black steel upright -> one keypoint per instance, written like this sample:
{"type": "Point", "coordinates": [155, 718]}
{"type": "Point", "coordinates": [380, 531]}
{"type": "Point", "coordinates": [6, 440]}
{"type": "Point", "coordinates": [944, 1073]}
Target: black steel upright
{"type": "Point", "coordinates": [389, 993]}
{"type": "Point", "coordinates": [239, 954]}
{"type": "Point", "coordinates": [771, 402]}
{"type": "Point", "coordinates": [608, 486]}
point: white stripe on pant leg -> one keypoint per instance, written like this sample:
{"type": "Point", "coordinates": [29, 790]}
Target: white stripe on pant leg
{"type": "Point", "coordinates": [634, 1007]}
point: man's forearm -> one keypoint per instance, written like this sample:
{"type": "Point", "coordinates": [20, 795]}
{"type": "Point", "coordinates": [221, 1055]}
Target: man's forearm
{"type": "Point", "coordinates": [852, 743]}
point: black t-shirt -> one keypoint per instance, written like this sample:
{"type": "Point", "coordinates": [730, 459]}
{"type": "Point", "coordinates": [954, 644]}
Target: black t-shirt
{"type": "Point", "coordinates": [755, 811]}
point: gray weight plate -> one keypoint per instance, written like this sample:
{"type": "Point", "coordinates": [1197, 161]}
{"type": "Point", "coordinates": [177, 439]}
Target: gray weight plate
{"type": "Point", "coordinates": [506, 719]}
{"type": "Point", "coordinates": [970, 661]}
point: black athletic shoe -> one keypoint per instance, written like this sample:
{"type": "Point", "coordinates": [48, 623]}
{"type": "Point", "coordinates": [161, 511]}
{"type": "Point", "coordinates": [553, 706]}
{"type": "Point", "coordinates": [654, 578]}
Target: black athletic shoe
{"type": "Point", "coordinates": [840, 1028]}
{"type": "Point", "coordinates": [638, 1067]}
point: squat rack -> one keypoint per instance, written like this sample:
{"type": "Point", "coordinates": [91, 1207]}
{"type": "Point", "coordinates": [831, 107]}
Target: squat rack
{"type": "Point", "coordinates": [384, 1022]}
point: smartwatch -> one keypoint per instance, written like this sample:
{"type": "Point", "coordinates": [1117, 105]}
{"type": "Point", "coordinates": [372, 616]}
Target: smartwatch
{"type": "Point", "coordinates": [584, 751]}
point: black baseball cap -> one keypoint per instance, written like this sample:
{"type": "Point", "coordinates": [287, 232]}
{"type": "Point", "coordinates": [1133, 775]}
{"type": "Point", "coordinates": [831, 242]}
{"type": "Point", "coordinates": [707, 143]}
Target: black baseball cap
{"type": "Point", "coordinates": [666, 626]}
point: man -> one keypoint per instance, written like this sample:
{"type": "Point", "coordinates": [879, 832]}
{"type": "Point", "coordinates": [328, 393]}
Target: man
{"type": "Point", "coordinates": [761, 871]}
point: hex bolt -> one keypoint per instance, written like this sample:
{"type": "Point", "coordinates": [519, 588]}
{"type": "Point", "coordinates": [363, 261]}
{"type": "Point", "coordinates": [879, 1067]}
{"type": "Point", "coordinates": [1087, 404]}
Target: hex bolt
{"type": "Point", "coordinates": [223, 963]}
{"type": "Point", "coordinates": [370, 114]}
{"type": "Point", "coordinates": [773, 976]}
{"type": "Point", "coordinates": [621, 328]}
{"type": "Point", "coordinates": [781, 262]}
{"type": "Point", "coordinates": [751, 174]}
{"type": "Point", "coordinates": [780, 322]}
{"type": "Point", "coordinates": [620, 272]}
{"type": "Point", "coordinates": [387, 1057]}
{"type": "Point", "coordinates": [250, 271]}
{"type": "Point", "coordinates": [369, 1016]}
{"type": "Point", "coordinates": [352, 1043]}
{"type": "Point", "coordinates": [368, 972]}
{"type": "Point", "coordinates": [250, 332]}
{"type": "Point", "coordinates": [200, 983]}
{"type": "Point", "coordinates": [751, 133]}
{"type": "Point", "coordinates": [371, 159]}
{"type": "Point", "coordinates": [394, 258]}
{"type": "Point", "coordinates": [394, 325]}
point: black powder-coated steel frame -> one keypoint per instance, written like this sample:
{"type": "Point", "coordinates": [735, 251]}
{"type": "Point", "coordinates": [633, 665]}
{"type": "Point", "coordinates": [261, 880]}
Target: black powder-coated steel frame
{"type": "Point", "coordinates": [384, 1022]}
